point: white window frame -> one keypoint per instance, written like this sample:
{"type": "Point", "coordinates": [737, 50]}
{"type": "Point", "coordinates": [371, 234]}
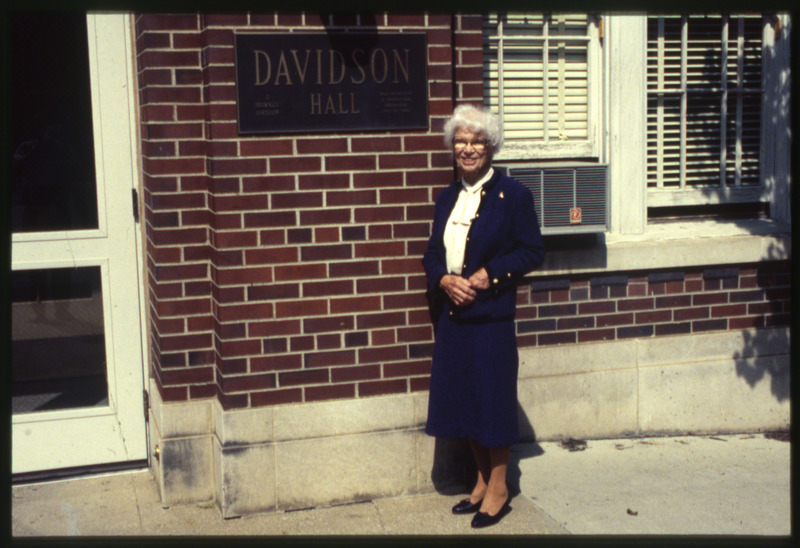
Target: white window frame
{"type": "Point", "coordinates": [591, 147]}
{"type": "Point", "coordinates": [633, 244]}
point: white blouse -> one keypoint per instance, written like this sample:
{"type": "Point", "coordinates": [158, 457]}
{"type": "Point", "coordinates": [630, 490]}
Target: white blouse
{"type": "Point", "coordinates": [455, 233]}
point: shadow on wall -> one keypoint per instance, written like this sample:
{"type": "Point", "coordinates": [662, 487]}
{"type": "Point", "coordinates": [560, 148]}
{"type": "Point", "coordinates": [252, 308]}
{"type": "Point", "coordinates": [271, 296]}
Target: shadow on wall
{"type": "Point", "coordinates": [764, 350]}
{"type": "Point", "coordinates": [454, 470]}
{"type": "Point", "coordinates": [762, 355]}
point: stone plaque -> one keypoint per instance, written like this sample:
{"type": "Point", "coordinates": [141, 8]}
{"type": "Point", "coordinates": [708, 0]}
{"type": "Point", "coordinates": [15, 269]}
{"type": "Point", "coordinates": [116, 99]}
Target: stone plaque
{"type": "Point", "coordinates": [299, 82]}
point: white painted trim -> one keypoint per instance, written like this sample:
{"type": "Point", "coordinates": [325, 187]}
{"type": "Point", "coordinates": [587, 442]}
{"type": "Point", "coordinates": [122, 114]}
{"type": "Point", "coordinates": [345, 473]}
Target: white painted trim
{"type": "Point", "coordinates": [626, 132]}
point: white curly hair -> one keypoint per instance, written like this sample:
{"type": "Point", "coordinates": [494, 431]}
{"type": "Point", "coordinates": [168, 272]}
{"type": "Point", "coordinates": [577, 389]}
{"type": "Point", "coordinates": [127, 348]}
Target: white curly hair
{"type": "Point", "coordinates": [476, 120]}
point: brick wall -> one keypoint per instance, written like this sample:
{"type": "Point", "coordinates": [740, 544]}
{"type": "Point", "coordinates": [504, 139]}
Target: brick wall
{"type": "Point", "coordinates": [287, 269]}
{"type": "Point", "coordinates": [596, 307]}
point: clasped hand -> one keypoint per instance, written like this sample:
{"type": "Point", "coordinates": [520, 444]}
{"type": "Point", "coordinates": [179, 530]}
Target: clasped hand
{"type": "Point", "coordinates": [462, 291]}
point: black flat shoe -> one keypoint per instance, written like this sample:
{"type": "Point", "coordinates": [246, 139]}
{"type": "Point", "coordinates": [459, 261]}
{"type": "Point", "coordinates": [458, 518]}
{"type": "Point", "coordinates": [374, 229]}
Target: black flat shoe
{"type": "Point", "coordinates": [482, 519]}
{"type": "Point", "coordinates": [466, 507]}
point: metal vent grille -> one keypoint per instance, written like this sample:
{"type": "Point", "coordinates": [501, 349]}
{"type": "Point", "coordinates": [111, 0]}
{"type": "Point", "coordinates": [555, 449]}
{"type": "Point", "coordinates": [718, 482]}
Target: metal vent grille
{"type": "Point", "coordinates": [567, 199]}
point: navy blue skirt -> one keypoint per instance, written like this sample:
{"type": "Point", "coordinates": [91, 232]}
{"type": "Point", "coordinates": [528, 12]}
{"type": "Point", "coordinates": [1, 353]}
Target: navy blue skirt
{"type": "Point", "coordinates": [473, 391]}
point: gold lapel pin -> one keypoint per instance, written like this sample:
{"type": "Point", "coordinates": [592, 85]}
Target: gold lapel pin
{"type": "Point", "coordinates": [501, 195]}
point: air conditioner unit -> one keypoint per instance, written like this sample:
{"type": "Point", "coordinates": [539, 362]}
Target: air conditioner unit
{"type": "Point", "coordinates": [569, 198]}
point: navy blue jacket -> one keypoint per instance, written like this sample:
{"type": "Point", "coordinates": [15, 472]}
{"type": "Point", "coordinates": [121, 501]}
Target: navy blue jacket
{"type": "Point", "coordinates": [504, 238]}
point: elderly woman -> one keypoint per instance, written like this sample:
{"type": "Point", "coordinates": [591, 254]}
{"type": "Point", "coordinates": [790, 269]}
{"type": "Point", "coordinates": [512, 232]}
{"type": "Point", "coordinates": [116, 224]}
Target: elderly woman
{"type": "Point", "coordinates": [485, 238]}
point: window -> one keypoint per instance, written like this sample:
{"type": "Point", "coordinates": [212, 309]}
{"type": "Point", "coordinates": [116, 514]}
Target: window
{"type": "Point", "coordinates": [704, 110]}
{"type": "Point", "coordinates": [541, 75]}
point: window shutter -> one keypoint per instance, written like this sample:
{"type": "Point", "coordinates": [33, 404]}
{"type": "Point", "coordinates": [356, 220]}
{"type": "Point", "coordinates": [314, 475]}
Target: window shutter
{"type": "Point", "coordinates": [704, 104]}
{"type": "Point", "coordinates": [536, 76]}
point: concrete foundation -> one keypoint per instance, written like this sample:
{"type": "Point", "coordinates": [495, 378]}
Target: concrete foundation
{"type": "Point", "coordinates": [318, 454]}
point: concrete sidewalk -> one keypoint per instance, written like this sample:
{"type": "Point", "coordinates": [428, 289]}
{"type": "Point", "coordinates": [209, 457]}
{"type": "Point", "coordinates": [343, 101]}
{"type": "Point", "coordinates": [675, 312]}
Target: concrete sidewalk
{"type": "Point", "coordinates": [706, 485]}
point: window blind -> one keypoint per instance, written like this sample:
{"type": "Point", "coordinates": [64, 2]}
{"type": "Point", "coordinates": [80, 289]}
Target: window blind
{"type": "Point", "coordinates": [704, 85]}
{"type": "Point", "coordinates": [536, 76]}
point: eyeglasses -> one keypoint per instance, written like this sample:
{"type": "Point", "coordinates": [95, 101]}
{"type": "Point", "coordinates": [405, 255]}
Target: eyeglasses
{"type": "Point", "coordinates": [478, 146]}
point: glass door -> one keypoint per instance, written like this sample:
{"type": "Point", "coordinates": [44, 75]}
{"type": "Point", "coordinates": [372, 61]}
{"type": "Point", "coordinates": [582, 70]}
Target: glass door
{"type": "Point", "coordinates": [76, 341]}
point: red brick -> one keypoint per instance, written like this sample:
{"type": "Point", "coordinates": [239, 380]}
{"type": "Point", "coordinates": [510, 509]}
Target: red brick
{"type": "Point", "coordinates": [380, 232]}
{"type": "Point", "coordinates": [276, 183]}
{"type": "Point", "coordinates": [157, 113]}
{"type": "Point", "coordinates": [253, 166]}
{"type": "Point", "coordinates": [180, 272]}
{"type": "Point", "coordinates": [335, 287]}
{"type": "Point", "coordinates": [167, 22]}
{"type": "Point", "coordinates": [614, 319]}
{"type": "Point", "coordinates": [379, 249]}
{"type": "Point", "coordinates": [281, 362]}
{"type": "Point", "coordinates": [330, 392]}
{"type": "Point", "coordinates": [171, 95]}
{"type": "Point", "coordinates": [376, 144]}
{"type": "Point", "coordinates": [243, 276]}
{"type": "Point", "coordinates": [443, 20]}
{"type": "Point", "coordinates": [270, 255]}
{"type": "Point", "coordinates": [182, 307]}
{"type": "Point", "coordinates": [169, 58]}
{"type": "Point", "coordinates": [266, 147]}
{"type": "Point", "coordinates": [276, 397]}
{"type": "Point", "coordinates": [405, 20]}
{"type": "Point", "coordinates": [379, 214]}
{"type": "Point", "coordinates": [376, 388]}
{"type": "Point", "coordinates": [350, 163]}
{"type": "Point", "coordinates": [691, 313]}
{"type": "Point", "coordinates": [255, 311]}
{"type": "Point", "coordinates": [418, 384]}
{"type": "Point", "coordinates": [442, 54]}
{"type": "Point", "coordinates": [403, 161]}
{"type": "Point", "coordinates": [170, 166]}
{"type": "Point", "coordinates": [380, 285]}
{"type": "Point", "coordinates": [635, 304]}
{"type": "Point", "coordinates": [401, 266]}
{"type": "Point", "coordinates": [300, 272]}
{"type": "Point", "coordinates": [596, 335]}
{"type": "Point", "coordinates": [658, 316]}
{"type": "Point", "coordinates": [355, 304]}
{"type": "Point", "coordinates": [382, 354]}
{"type": "Point", "coordinates": [386, 319]}
{"type": "Point", "coordinates": [405, 301]}
{"type": "Point", "coordinates": [325, 216]}
{"type": "Point", "coordinates": [246, 347]}
{"type": "Point", "coordinates": [709, 298]}
{"type": "Point", "coordinates": [747, 322]}
{"type": "Point", "coordinates": [419, 213]}
{"type": "Point", "coordinates": [379, 179]}
{"type": "Point", "coordinates": [328, 324]}
{"type": "Point", "coordinates": [357, 373]}
{"type": "Point", "coordinates": [273, 218]}
{"type": "Point", "coordinates": [404, 196]}
{"type": "Point", "coordinates": [325, 181]}
{"type": "Point", "coordinates": [352, 269]}
{"type": "Point", "coordinates": [273, 328]}
{"type": "Point", "coordinates": [311, 376]}
{"type": "Point", "coordinates": [321, 145]}
{"type": "Point", "coordinates": [728, 310]}
{"type": "Point", "coordinates": [327, 234]}
{"type": "Point", "coordinates": [295, 164]}
{"type": "Point", "coordinates": [408, 369]}
{"type": "Point", "coordinates": [247, 382]}
{"type": "Point", "coordinates": [326, 252]}
{"type": "Point", "coordinates": [224, 240]}
{"type": "Point", "coordinates": [351, 197]}
{"type": "Point", "coordinates": [299, 344]}
{"type": "Point", "coordinates": [240, 203]}
{"type": "Point", "coordinates": [430, 177]}
{"type": "Point", "coordinates": [328, 359]}
{"type": "Point", "coordinates": [187, 376]}
{"type": "Point", "coordinates": [330, 341]}
{"type": "Point", "coordinates": [285, 309]}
